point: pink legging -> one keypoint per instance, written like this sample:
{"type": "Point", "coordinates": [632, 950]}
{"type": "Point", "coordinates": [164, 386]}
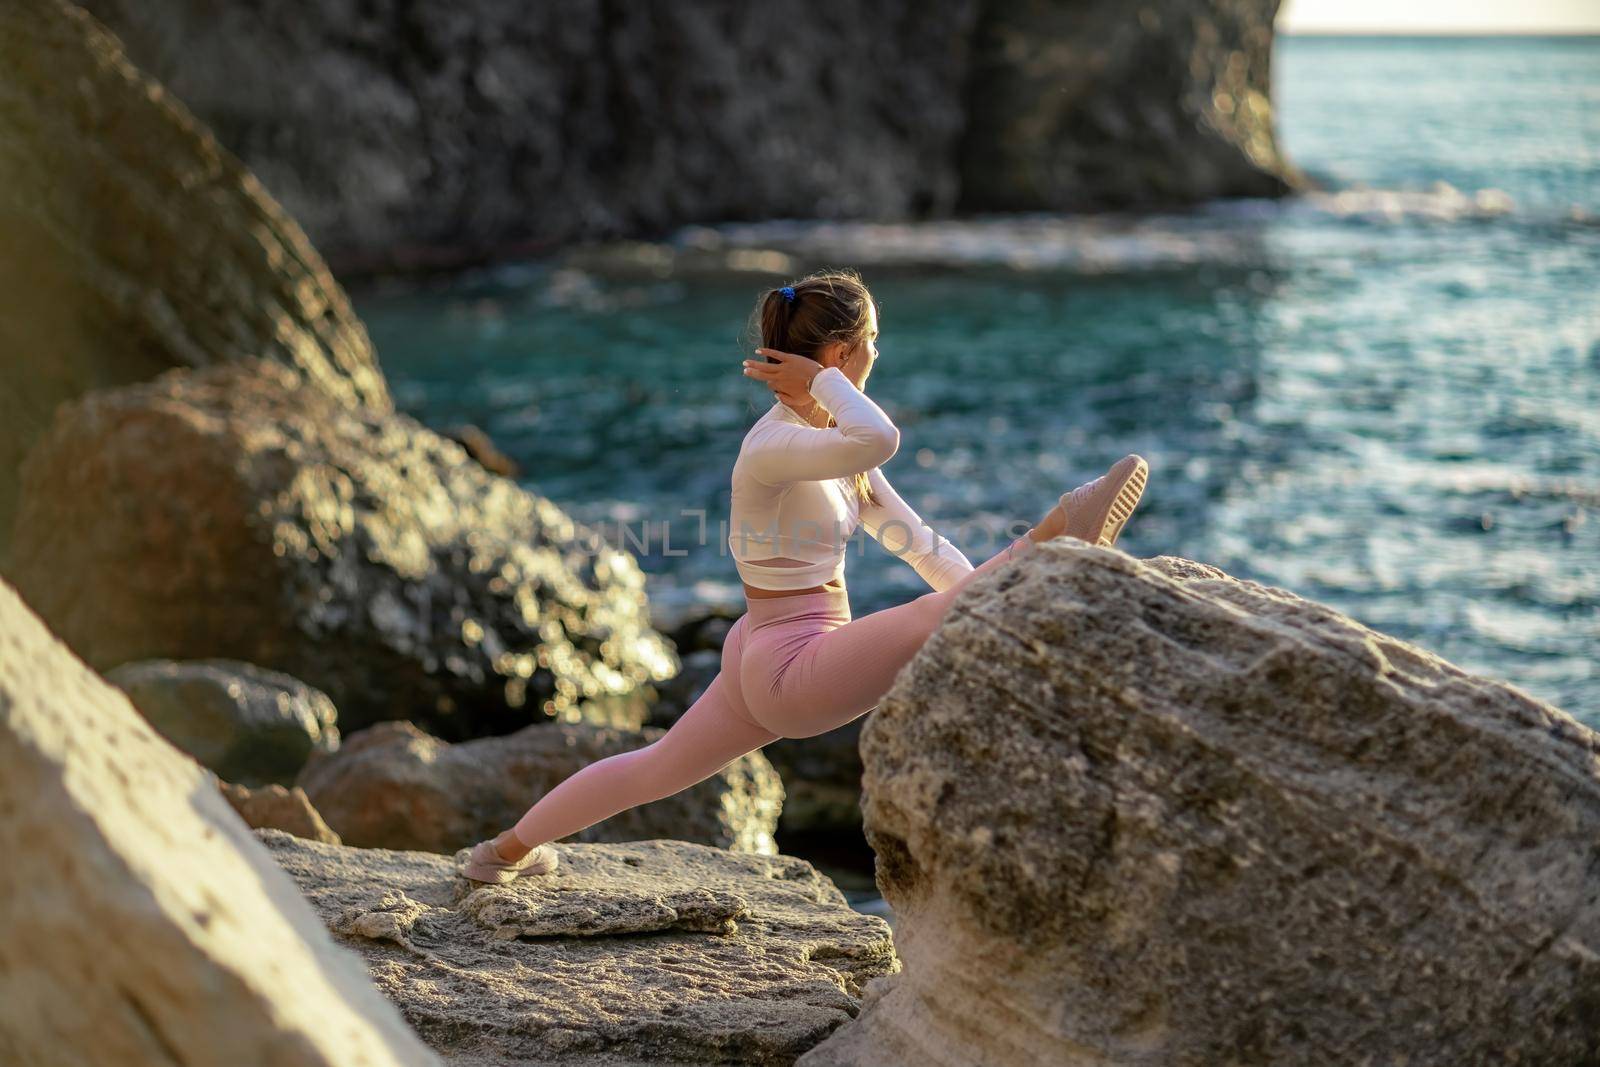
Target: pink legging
{"type": "Point", "coordinates": [792, 666]}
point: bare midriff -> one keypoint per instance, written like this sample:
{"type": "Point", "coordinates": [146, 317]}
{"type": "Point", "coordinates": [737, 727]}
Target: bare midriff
{"type": "Point", "coordinates": [764, 594]}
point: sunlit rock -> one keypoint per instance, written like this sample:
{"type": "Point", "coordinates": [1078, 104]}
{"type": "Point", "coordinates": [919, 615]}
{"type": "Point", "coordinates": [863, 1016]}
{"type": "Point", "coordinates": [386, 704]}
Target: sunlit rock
{"type": "Point", "coordinates": [142, 922]}
{"type": "Point", "coordinates": [1142, 813]}
{"type": "Point", "coordinates": [646, 952]}
{"type": "Point", "coordinates": [276, 808]}
{"type": "Point", "coordinates": [232, 513]}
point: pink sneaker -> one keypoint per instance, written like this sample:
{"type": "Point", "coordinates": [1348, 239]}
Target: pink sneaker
{"type": "Point", "coordinates": [482, 863]}
{"type": "Point", "coordinates": [1097, 511]}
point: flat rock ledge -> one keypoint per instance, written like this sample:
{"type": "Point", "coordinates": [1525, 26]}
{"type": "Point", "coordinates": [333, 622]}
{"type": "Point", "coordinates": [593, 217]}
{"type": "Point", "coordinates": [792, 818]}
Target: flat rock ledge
{"type": "Point", "coordinates": [1142, 813]}
{"type": "Point", "coordinates": [644, 952]}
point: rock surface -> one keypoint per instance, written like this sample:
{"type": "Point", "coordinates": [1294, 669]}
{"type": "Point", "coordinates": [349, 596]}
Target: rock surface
{"type": "Point", "coordinates": [648, 952]}
{"type": "Point", "coordinates": [275, 808]}
{"type": "Point", "coordinates": [139, 910]}
{"type": "Point", "coordinates": [229, 513]}
{"type": "Point", "coordinates": [394, 786]}
{"type": "Point", "coordinates": [135, 243]}
{"type": "Point", "coordinates": [436, 135]}
{"type": "Point", "coordinates": [1106, 104]}
{"type": "Point", "coordinates": [251, 726]}
{"type": "Point", "coordinates": [1142, 813]}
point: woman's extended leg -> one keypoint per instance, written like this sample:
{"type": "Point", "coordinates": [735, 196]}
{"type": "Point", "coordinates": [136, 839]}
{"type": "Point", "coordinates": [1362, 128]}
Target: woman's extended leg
{"type": "Point", "coordinates": [715, 731]}
{"type": "Point", "coordinates": [845, 672]}
{"type": "Point", "coordinates": [704, 740]}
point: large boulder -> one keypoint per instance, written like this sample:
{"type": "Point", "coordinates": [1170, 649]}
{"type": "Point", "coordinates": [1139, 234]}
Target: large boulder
{"type": "Point", "coordinates": [133, 242]}
{"type": "Point", "coordinates": [142, 921]}
{"type": "Point", "coordinates": [1104, 103]}
{"type": "Point", "coordinates": [649, 952]}
{"type": "Point", "coordinates": [408, 134]}
{"type": "Point", "coordinates": [231, 513]}
{"type": "Point", "coordinates": [251, 726]}
{"type": "Point", "coordinates": [1142, 813]}
{"type": "Point", "coordinates": [394, 786]}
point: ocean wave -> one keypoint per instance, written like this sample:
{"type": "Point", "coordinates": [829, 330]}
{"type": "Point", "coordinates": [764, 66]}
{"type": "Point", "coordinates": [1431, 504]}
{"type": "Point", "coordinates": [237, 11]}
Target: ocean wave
{"type": "Point", "coordinates": [1222, 232]}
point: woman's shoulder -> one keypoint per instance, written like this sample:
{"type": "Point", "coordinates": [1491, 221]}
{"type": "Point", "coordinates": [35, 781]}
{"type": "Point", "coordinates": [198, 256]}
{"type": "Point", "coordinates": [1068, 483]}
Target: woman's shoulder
{"type": "Point", "coordinates": [768, 423]}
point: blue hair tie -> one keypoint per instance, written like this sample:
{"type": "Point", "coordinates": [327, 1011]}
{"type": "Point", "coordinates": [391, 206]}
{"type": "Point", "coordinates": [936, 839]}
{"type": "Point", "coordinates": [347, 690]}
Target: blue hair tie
{"type": "Point", "coordinates": [787, 292]}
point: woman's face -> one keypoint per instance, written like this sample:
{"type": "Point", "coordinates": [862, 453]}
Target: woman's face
{"type": "Point", "coordinates": [857, 363]}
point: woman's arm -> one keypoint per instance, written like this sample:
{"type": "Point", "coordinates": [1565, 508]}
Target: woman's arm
{"type": "Point", "coordinates": [894, 524]}
{"type": "Point", "coordinates": [863, 438]}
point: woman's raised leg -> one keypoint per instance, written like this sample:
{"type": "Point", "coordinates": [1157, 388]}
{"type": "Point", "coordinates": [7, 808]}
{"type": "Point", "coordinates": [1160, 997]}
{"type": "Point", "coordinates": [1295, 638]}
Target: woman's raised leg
{"type": "Point", "coordinates": [844, 673]}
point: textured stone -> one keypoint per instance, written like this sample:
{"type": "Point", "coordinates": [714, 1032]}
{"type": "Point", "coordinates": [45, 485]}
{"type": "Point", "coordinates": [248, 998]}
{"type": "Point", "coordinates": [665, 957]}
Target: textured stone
{"type": "Point", "coordinates": [1142, 813]}
{"type": "Point", "coordinates": [142, 923]}
{"type": "Point", "coordinates": [134, 242]}
{"type": "Point", "coordinates": [439, 134]}
{"type": "Point", "coordinates": [648, 952]}
{"type": "Point", "coordinates": [1104, 103]}
{"type": "Point", "coordinates": [821, 781]}
{"type": "Point", "coordinates": [276, 808]}
{"type": "Point", "coordinates": [251, 726]}
{"type": "Point", "coordinates": [394, 786]}
{"type": "Point", "coordinates": [230, 513]}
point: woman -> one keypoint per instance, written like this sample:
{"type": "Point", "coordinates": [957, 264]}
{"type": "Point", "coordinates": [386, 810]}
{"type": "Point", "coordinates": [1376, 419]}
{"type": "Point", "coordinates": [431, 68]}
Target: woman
{"type": "Point", "coordinates": [795, 664]}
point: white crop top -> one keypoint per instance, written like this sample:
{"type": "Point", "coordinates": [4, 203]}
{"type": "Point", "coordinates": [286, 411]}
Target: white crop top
{"type": "Point", "coordinates": [793, 500]}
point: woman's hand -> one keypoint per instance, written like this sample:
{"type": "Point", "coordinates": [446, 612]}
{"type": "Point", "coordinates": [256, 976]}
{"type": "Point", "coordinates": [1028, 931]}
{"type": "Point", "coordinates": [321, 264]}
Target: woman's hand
{"type": "Point", "coordinates": [790, 377]}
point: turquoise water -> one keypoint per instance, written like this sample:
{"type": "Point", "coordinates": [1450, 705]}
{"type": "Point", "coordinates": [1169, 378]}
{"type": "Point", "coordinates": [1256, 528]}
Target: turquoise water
{"type": "Point", "coordinates": [1385, 396]}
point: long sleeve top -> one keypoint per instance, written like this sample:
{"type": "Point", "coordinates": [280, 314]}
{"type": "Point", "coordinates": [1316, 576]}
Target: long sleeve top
{"type": "Point", "coordinates": [793, 505]}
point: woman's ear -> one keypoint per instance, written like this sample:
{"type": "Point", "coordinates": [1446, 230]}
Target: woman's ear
{"type": "Point", "coordinates": [832, 354]}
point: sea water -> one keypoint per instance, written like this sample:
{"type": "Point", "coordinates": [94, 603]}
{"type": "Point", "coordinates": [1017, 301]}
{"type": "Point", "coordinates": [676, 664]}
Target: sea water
{"type": "Point", "coordinates": [1384, 395]}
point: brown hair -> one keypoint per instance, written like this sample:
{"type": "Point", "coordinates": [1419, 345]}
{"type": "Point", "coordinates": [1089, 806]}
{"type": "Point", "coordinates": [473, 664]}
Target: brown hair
{"type": "Point", "coordinates": [828, 306]}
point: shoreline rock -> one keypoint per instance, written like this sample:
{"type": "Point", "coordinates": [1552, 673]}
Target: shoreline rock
{"type": "Point", "coordinates": [136, 243]}
{"type": "Point", "coordinates": [276, 808]}
{"type": "Point", "coordinates": [1140, 812]}
{"type": "Point", "coordinates": [231, 513]}
{"type": "Point", "coordinates": [142, 921]}
{"type": "Point", "coordinates": [645, 952]}
{"type": "Point", "coordinates": [252, 726]}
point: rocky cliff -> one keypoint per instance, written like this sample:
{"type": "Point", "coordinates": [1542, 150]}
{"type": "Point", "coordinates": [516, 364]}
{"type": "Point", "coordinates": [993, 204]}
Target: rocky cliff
{"type": "Point", "coordinates": [131, 241]}
{"type": "Point", "coordinates": [405, 134]}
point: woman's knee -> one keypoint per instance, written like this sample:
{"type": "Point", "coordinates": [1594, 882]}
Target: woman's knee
{"type": "Point", "coordinates": [931, 607]}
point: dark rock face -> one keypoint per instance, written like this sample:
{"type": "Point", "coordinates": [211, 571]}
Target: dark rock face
{"type": "Point", "coordinates": [393, 786]}
{"type": "Point", "coordinates": [1142, 813]}
{"type": "Point", "coordinates": [443, 134]}
{"type": "Point", "coordinates": [142, 922]}
{"type": "Point", "coordinates": [1107, 104]}
{"type": "Point", "coordinates": [229, 513]}
{"type": "Point", "coordinates": [649, 952]}
{"type": "Point", "coordinates": [250, 725]}
{"type": "Point", "coordinates": [133, 242]}
{"type": "Point", "coordinates": [822, 781]}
